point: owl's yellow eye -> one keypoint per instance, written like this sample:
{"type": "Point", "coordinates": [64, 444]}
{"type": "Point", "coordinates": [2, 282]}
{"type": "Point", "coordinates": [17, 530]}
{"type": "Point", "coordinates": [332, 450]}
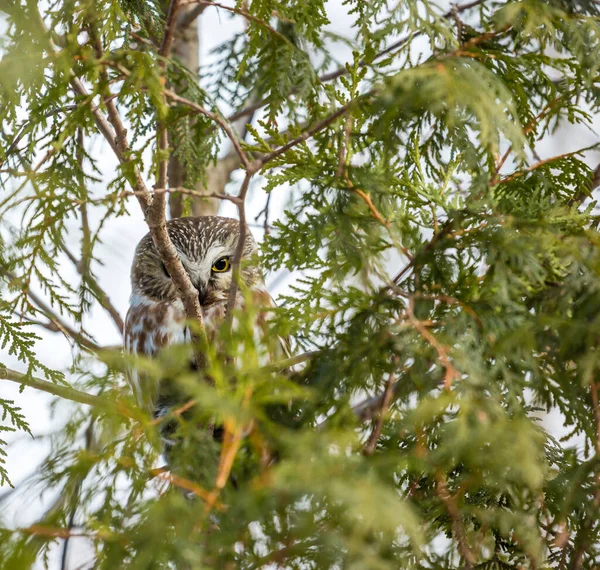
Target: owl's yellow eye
{"type": "Point", "coordinates": [221, 265]}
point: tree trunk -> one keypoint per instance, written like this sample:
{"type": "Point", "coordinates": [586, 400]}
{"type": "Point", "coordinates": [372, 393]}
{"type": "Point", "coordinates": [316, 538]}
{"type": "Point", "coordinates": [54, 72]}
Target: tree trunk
{"type": "Point", "coordinates": [186, 48]}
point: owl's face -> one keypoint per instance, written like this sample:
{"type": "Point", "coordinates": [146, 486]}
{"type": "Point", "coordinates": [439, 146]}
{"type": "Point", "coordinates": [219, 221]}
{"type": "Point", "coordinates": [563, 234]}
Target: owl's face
{"type": "Point", "coordinates": [206, 246]}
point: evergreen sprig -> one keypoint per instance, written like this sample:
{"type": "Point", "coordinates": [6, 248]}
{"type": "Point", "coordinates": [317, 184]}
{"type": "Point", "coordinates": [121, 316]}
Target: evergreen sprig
{"type": "Point", "coordinates": [447, 288]}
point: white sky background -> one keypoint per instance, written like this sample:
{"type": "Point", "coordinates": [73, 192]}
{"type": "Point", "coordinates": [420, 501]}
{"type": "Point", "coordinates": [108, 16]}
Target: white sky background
{"type": "Point", "coordinates": [119, 240]}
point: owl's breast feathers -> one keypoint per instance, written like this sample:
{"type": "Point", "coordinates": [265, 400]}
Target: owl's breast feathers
{"type": "Point", "coordinates": [151, 325]}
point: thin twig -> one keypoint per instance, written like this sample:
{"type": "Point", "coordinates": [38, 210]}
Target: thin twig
{"type": "Point", "coordinates": [309, 133]}
{"type": "Point", "coordinates": [541, 163]}
{"type": "Point", "coordinates": [239, 250]}
{"type": "Point", "coordinates": [232, 439]}
{"type": "Point", "coordinates": [388, 393]}
{"type": "Point", "coordinates": [442, 351]}
{"type": "Point", "coordinates": [247, 15]}
{"type": "Point", "coordinates": [265, 212]}
{"type": "Point", "coordinates": [101, 295]}
{"type": "Point", "coordinates": [187, 192]}
{"type": "Point", "coordinates": [457, 527]}
{"type": "Point", "coordinates": [187, 18]}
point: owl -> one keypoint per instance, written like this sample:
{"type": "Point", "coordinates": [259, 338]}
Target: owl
{"type": "Point", "coordinates": [156, 316]}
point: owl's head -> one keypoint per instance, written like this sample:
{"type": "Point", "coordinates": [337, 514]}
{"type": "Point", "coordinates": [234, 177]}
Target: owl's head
{"type": "Point", "coordinates": [206, 246]}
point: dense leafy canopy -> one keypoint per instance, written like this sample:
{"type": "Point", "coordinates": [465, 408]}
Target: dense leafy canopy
{"type": "Point", "coordinates": [409, 436]}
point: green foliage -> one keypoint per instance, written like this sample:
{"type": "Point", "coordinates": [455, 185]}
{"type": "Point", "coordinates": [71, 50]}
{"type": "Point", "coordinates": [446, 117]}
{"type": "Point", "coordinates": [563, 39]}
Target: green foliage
{"type": "Point", "coordinates": [419, 155]}
{"type": "Point", "coordinates": [12, 420]}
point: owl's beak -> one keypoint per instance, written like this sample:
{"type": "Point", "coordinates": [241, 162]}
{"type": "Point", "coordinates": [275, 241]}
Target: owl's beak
{"type": "Point", "coordinates": [202, 293]}
{"type": "Point", "coordinates": [200, 281]}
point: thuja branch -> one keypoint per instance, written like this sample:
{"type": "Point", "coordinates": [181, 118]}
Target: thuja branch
{"type": "Point", "coordinates": [388, 395]}
{"type": "Point", "coordinates": [37, 304]}
{"type": "Point", "coordinates": [223, 123]}
{"type": "Point", "coordinates": [543, 162]}
{"type": "Point", "coordinates": [67, 393]}
{"type": "Point", "coordinates": [450, 502]}
{"type": "Point", "coordinates": [341, 71]}
{"type": "Point", "coordinates": [324, 123]}
{"type": "Point", "coordinates": [244, 13]}
{"type": "Point", "coordinates": [100, 294]}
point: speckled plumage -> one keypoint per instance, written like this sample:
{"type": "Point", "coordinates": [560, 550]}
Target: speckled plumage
{"type": "Point", "coordinates": [156, 316]}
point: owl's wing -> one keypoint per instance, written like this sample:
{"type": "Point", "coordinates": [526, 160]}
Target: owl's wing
{"type": "Point", "coordinates": [149, 326]}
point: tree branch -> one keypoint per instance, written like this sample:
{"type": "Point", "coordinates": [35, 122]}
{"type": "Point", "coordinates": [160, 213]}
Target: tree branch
{"type": "Point", "coordinates": [243, 13]}
{"type": "Point", "coordinates": [67, 393]}
{"type": "Point", "coordinates": [55, 320]}
{"type": "Point", "coordinates": [187, 18]}
{"type": "Point", "coordinates": [169, 32]}
{"type": "Point", "coordinates": [101, 295]}
{"type": "Point", "coordinates": [223, 123]}
{"type": "Point", "coordinates": [385, 403]}
{"type": "Point", "coordinates": [117, 139]}
{"type": "Point", "coordinates": [442, 351]}
{"type": "Point", "coordinates": [333, 75]}
{"type": "Point", "coordinates": [121, 145]}
{"type": "Point", "coordinates": [457, 527]}
{"type": "Point", "coordinates": [541, 163]}
{"type": "Point", "coordinates": [309, 133]}
{"type": "Point", "coordinates": [239, 250]}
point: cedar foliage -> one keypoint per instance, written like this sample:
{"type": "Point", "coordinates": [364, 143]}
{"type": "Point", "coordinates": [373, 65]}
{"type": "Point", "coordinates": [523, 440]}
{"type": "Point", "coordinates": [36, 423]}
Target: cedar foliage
{"type": "Point", "coordinates": [425, 162]}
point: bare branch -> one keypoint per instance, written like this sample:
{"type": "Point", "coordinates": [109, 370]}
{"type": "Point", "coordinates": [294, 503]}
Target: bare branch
{"type": "Point", "coordinates": [169, 31]}
{"type": "Point", "coordinates": [187, 18]}
{"type": "Point", "coordinates": [156, 220]}
{"type": "Point", "coordinates": [243, 13]}
{"type": "Point", "coordinates": [117, 139]}
{"type": "Point", "coordinates": [241, 206]}
{"type": "Point", "coordinates": [188, 192]}
{"type": "Point", "coordinates": [121, 145]}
